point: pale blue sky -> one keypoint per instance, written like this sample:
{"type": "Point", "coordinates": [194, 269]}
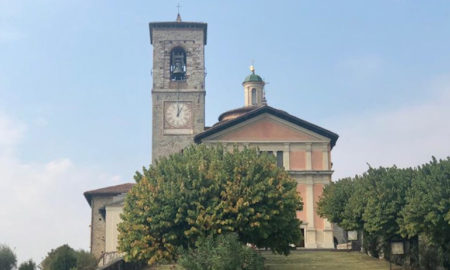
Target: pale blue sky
{"type": "Point", "coordinates": [75, 107]}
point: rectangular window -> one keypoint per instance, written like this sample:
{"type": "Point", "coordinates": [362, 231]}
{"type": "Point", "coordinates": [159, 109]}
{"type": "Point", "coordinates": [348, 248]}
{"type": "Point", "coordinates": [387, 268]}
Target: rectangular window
{"type": "Point", "coordinates": [280, 158]}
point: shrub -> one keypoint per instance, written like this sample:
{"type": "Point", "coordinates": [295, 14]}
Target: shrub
{"type": "Point", "coordinates": [223, 252]}
{"type": "Point", "coordinates": [430, 254]}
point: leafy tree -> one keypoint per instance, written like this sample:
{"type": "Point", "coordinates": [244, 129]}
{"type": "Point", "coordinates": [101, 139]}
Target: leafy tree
{"type": "Point", "coordinates": [343, 202]}
{"type": "Point", "coordinates": [427, 208]}
{"type": "Point", "coordinates": [334, 199]}
{"type": "Point", "coordinates": [28, 265]}
{"type": "Point", "coordinates": [370, 203]}
{"type": "Point", "coordinates": [209, 191]}
{"type": "Point", "coordinates": [85, 260]}
{"type": "Point", "coordinates": [61, 258]}
{"type": "Point", "coordinates": [353, 214]}
{"type": "Point", "coordinates": [385, 200]}
{"type": "Point", "coordinates": [66, 258]}
{"type": "Point", "coordinates": [8, 259]}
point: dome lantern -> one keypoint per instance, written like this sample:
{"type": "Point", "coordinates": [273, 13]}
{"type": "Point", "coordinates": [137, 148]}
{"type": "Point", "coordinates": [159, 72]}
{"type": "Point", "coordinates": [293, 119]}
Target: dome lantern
{"type": "Point", "coordinates": [254, 89]}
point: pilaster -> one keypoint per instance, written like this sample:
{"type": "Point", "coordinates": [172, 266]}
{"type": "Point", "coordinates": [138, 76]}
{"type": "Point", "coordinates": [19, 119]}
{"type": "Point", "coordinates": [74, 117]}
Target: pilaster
{"type": "Point", "coordinates": [308, 149]}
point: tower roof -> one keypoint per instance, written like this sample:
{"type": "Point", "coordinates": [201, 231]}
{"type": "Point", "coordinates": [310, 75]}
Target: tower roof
{"type": "Point", "coordinates": [252, 77]}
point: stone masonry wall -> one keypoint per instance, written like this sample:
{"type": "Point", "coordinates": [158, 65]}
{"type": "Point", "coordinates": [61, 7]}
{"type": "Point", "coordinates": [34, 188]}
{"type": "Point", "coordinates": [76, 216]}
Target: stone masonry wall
{"type": "Point", "coordinates": [192, 89]}
{"type": "Point", "coordinates": [163, 145]}
{"type": "Point", "coordinates": [98, 225]}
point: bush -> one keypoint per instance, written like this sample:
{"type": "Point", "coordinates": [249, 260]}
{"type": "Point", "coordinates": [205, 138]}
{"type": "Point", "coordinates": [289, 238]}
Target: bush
{"type": "Point", "coordinates": [224, 252]}
{"type": "Point", "coordinates": [430, 254]}
{"type": "Point", "coordinates": [7, 258]}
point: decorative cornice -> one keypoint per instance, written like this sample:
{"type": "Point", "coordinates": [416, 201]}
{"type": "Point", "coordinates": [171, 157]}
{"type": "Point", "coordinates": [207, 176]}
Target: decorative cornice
{"type": "Point", "coordinates": [311, 172]}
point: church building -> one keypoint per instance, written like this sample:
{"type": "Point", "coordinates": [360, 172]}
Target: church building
{"type": "Point", "coordinates": [178, 106]}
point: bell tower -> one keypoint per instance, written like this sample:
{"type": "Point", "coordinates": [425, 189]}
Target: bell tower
{"type": "Point", "coordinates": [178, 90]}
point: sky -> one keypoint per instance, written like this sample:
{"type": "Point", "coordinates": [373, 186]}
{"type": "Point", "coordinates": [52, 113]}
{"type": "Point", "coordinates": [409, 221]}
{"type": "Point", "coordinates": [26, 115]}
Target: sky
{"type": "Point", "coordinates": [75, 82]}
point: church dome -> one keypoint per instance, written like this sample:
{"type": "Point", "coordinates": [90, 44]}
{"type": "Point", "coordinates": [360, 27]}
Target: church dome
{"type": "Point", "coordinates": [253, 77]}
{"type": "Point", "coordinates": [235, 113]}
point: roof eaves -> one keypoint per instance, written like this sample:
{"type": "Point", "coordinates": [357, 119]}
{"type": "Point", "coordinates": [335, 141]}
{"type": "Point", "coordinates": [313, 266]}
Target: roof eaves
{"type": "Point", "coordinates": [282, 114]}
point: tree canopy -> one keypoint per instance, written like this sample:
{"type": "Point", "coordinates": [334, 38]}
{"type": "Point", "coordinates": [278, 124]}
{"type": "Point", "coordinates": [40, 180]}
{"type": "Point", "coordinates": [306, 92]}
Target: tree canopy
{"type": "Point", "coordinates": [427, 208]}
{"type": "Point", "coordinates": [66, 258]}
{"type": "Point", "coordinates": [388, 203]}
{"type": "Point", "coordinates": [385, 199]}
{"type": "Point", "coordinates": [334, 200]}
{"type": "Point", "coordinates": [8, 259]}
{"type": "Point", "coordinates": [28, 265]}
{"type": "Point", "coordinates": [61, 258]}
{"type": "Point", "coordinates": [209, 191]}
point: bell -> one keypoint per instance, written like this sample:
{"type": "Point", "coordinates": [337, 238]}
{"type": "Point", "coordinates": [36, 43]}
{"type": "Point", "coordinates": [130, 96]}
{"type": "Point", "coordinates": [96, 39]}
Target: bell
{"type": "Point", "coordinates": [178, 69]}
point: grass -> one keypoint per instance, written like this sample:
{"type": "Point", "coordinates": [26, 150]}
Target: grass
{"type": "Point", "coordinates": [324, 260]}
{"type": "Point", "coordinates": [319, 260]}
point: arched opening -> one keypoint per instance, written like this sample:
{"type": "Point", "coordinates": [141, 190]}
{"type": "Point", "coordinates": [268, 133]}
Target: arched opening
{"type": "Point", "coordinates": [253, 96]}
{"type": "Point", "coordinates": [177, 64]}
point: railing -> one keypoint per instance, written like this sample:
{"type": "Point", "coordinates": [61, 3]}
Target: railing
{"type": "Point", "coordinates": [108, 257]}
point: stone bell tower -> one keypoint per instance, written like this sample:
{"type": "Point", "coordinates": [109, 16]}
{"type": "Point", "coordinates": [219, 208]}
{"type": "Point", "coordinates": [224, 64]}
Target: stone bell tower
{"type": "Point", "coordinates": [178, 92]}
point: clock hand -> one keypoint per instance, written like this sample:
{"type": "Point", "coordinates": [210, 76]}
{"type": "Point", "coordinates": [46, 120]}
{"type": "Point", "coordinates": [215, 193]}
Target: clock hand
{"type": "Point", "coordinates": [178, 110]}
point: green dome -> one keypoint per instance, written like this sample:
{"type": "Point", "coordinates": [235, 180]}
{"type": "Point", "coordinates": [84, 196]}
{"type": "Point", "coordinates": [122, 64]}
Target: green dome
{"type": "Point", "coordinates": [253, 78]}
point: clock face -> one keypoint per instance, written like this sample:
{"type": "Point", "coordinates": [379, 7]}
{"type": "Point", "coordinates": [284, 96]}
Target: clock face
{"type": "Point", "coordinates": [178, 115]}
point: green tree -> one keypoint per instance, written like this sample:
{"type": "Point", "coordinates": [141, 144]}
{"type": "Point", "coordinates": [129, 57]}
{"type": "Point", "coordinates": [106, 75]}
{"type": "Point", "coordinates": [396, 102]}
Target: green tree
{"type": "Point", "coordinates": [28, 265]}
{"type": "Point", "coordinates": [66, 258]}
{"type": "Point", "coordinates": [85, 260]}
{"type": "Point", "coordinates": [343, 202]}
{"type": "Point", "coordinates": [61, 258]}
{"type": "Point", "coordinates": [386, 199]}
{"type": "Point", "coordinates": [427, 209]}
{"type": "Point", "coordinates": [209, 191]}
{"type": "Point", "coordinates": [334, 200]}
{"type": "Point", "coordinates": [370, 203]}
{"type": "Point", "coordinates": [8, 259]}
{"type": "Point", "coordinates": [352, 218]}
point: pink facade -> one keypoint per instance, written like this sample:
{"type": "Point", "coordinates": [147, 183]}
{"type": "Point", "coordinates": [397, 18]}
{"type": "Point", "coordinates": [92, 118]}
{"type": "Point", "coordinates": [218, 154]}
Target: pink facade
{"type": "Point", "coordinates": [302, 148]}
{"type": "Point", "coordinates": [317, 160]}
{"type": "Point", "coordinates": [318, 221]}
{"type": "Point", "coordinates": [302, 214]}
{"type": "Point", "coordinates": [297, 160]}
{"type": "Point", "coordinates": [267, 130]}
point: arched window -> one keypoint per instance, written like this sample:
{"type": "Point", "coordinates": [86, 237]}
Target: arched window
{"type": "Point", "coordinates": [177, 64]}
{"type": "Point", "coordinates": [253, 96]}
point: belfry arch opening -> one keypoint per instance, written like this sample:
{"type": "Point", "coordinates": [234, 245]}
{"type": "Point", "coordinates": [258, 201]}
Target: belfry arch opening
{"type": "Point", "coordinates": [178, 64]}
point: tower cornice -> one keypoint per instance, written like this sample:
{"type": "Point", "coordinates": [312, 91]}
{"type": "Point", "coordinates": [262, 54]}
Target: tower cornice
{"type": "Point", "coordinates": [179, 25]}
